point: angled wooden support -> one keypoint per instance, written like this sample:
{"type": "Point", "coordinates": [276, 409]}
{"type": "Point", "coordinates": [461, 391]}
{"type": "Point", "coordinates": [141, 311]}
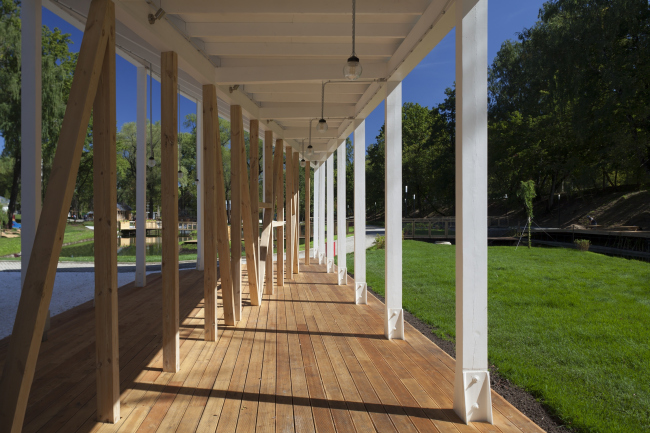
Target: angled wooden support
{"type": "Point", "coordinates": [237, 136]}
{"type": "Point", "coordinates": [307, 211]}
{"type": "Point", "coordinates": [25, 342]}
{"type": "Point", "coordinates": [254, 187]}
{"type": "Point", "coordinates": [222, 237]}
{"type": "Point", "coordinates": [107, 346]}
{"type": "Point", "coordinates": [278, 188]}
{"type": "Point", "coordinates": [268, 198]}
{"type": "Point", "coordinates": [296, 212]}
{"type": "Point", "coordinates": [169, 183]}
{"type": "Point", "coordinates": [235, 206]}
{"type": "Point", "coordinates": [289, 229]}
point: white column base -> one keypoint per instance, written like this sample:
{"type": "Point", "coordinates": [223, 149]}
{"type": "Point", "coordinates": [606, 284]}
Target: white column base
{"type": "Point", "coordinates": [321, 258]}
{"type": "Point", "coordinates": [394, 324]}
{"type": "Point", "coordinates": [330, 265]}
{"type": "Point", "coordinates": [343, 276]}
{"type": "Point", "coordinates": [472, 399]}
{"type": "Point", "coordinates": [361, 293]}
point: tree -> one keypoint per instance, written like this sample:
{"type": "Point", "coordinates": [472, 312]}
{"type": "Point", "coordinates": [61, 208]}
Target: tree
{"type": "Point", "coordinates": [527, 194]}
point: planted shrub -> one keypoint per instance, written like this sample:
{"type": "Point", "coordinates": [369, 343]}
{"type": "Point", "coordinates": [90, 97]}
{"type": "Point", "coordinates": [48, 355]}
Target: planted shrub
{"type": "Point", "coordinates": [582, 244]}
{"type": "Point", "coordinates": [380, 242]}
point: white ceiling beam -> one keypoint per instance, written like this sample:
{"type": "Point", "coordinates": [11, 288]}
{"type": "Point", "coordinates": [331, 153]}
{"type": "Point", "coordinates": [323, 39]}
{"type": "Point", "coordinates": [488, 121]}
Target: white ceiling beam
{"type": "Point", "coordinates": [348, 87]}
{"type": "Point", "coordinates": [263, 7]}
{"type": "Point", "coordinates": [268, 49]}
{"type": "Point", "coordinates": [304, 72]}
{"type": "Point", "coordinates": [292, 29]}
{"type": "Point", "coordinates": [306, 97]}
{"type": "Point", "coordinates": [434, 24]}
{"type": "Point", "coordinates": [304, 111]}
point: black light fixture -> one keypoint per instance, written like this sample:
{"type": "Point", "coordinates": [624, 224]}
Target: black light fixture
{"type": "Point", "coordinates": [352, 69]}
{"type": "Point", "coordinates": [303, 163]}
{"type": "Point", "coordinates": [322, 123]}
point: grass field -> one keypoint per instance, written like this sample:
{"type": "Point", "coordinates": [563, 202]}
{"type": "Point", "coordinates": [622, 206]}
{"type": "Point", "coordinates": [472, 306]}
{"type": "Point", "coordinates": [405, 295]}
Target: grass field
{"type": "Point", "coordinates": [570, 327]}
{"type": "Point", "coordinates": [73, 233]}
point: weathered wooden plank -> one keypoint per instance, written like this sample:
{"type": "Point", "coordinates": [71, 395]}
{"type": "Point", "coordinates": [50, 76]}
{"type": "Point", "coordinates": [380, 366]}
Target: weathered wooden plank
{"type": "Point", "coordinates": [169, 184]}
{"type": "Point", "coordinates": [18, 371]}
{"type": "Point", "coordinates": [284, 420]}
{"type": "Point", "coordinates": [266, 405]}
{"type": "Point", "coordinates": [105, 234]}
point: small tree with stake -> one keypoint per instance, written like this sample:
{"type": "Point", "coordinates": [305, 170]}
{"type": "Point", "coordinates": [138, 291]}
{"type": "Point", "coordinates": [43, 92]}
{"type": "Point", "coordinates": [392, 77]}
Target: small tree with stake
{"type": "Point", "coordinates": [526, 192]}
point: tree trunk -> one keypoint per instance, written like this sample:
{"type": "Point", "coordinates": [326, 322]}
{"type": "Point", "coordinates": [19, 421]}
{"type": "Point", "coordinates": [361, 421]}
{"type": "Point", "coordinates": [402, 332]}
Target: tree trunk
{"type": "Point", "coordinates": [551, 197]}
{"type": "Point", "coordinates": [14, 186]}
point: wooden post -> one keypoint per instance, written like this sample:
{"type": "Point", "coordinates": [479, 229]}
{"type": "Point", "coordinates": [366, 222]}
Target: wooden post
{"type": "Point", "coordinates": [296, 212]}
{"type": "Point", "coordinates": [268, 197]}
{"type": "Point", "coordinates": [360, 284]}
{"type": "Point", "coordinates": [254, 187]}
{"type": "Point", "coordinates": [223, 238]}
{"type": "Point", "coordinates": [169, 183]}
{"type": "Point", "coordinates": [210, 149]}
{"type": "Point", "coordinates": [25, 342]}
{"type": "Point", "coordinates": [289, 229]}
{"type": "Point", "coordinates": [235, 209]}
{"type": "Point", "coordinates": [307, 211]}
{"type": "Point", "coordinates": [340, 214]}
{"type": "Point", "coordinates": [237, 136]}
{"type": "Point", "coordinates": [141, 180]}
{"type": "Point", "coordinates": [278, 187]}
{"type": "Point", "coordinates": [105, 206]}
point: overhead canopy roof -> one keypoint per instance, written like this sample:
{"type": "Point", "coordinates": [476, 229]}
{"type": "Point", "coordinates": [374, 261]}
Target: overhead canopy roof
{"type": "Point", "coordinates": [272, 57]}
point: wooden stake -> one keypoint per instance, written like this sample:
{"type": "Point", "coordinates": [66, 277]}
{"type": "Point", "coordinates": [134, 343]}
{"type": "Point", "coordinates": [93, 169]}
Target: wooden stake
{"type": "Point", "coordinates": [105, 207]}
{"type": "Point", "coordinates": [169, 181]}
{"type": "Point", "coordinates": [254, 186]}
{"type": "Point", "coordinates": [307, 211]}
{"type": "Point", "coordinates": [237, 135]}
{"type": "Point", "coordinates": [268, 197]}
{"type": "Point", "coordinates": [278, 187]}
{"type": "Point", "coordinates": [235, 207]}
{"type": "Point", "coordinates": [20, 363]}
{"type": "Point", "coordinates": [289, 228]}
{"type": "Point", "coordinates": [296, 212]}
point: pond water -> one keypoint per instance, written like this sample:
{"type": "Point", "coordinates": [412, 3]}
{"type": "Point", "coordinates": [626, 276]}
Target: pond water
{"type": "Point", "coordinates": [125, 247]}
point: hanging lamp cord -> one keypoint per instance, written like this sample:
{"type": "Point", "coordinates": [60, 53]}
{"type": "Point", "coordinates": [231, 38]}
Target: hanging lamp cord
{"type": "Point", "coordinates": [354, 13]}
{"type": "Point", "coordinates": [322, 105]}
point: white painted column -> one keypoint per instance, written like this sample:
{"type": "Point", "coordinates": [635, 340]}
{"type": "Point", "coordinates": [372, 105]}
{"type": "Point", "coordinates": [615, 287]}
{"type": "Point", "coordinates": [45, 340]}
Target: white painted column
{"type": "Point", "coordinates": [30, 188]}
{"type": "Point", "coordinates": [340, 215]}
{"type": "Point", "coordinates": [360, 284]}
{"type": "Point", "coordinates": [321, 215]}
{"type": "Point", "coordinates": [141, 179]}
{"type": "Point", "coordinates": [330, 214]}
{"type": "Point", "coordinates": [394, 316]}
{"type": "Point", "coordinates": [316, 203]}
{"type": "Point", "coordinates": [199, 194]}
{"type": "Point", "coordinates": [472, 401]}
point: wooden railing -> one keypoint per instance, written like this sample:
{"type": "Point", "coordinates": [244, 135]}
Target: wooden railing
{"type": "Point", "coordinates": [441, 227]}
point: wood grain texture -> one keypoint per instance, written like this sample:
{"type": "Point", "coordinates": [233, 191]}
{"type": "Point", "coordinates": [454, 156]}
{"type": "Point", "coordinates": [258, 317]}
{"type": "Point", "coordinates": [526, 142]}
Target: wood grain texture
{"type": "Point", "coordinates": [236, 191]}
{"type": "Point", "coordinates": [308, 359]}
{"type": "Point", "coordinates": [105, 234]}
{"type": "Point", "coordinates": [268, 198]}
{"type": "Point", "coordinates": [307, 212]}
{"type": "Point", "coordinates": [254, 183]}
{"type": "Point", "coordinates": [36, 294]}
{"type": "Point", "coordinates": [237, 135]}
{"type": "Point", "coordinates": [169, 183]}
{"type": "Point", "coordinates": [278, 187]}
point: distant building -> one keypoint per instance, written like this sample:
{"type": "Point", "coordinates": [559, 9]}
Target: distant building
{"type": "Point", "coordinates": [123, 212]}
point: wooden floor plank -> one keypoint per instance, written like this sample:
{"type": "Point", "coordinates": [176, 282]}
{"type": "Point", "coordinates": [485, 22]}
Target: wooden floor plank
{"type": "Point", "coordinates": [307, 360]}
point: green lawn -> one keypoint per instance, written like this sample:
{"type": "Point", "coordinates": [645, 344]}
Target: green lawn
{"type": "Point", "coordinates": [569, 327]}
{"type": "Point", "coordinates": [73, 233]}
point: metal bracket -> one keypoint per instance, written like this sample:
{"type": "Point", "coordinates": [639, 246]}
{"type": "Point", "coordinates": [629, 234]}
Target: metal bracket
{"type": "Point", "coordinates": [361, 293]}
{"type": "Point", "coordinates": [343, 276]}
{"type": "Point", "coordinates": [477, 402]}
{"type": "Point", "coordinates": [394, 324]}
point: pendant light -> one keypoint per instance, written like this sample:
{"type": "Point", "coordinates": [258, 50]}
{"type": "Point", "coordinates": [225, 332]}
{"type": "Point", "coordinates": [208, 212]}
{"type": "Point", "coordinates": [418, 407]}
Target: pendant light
{"type": "Point", "coordinates": [151, 162]}
{"type": "Point", "coordinates": [303, 163]}
{"type": "Point", "coordinates": [322, 123]}
{"type": "Point", "coordinates": [310, 148]}
{"type": "Point", "coordinates": [180, 172]}
{"type": "Point", "coordinates": [352, 69]}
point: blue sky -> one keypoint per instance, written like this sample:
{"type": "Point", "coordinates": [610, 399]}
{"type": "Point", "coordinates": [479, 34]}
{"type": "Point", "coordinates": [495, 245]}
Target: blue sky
{"type": "Point", "coordinates": [425, 85]}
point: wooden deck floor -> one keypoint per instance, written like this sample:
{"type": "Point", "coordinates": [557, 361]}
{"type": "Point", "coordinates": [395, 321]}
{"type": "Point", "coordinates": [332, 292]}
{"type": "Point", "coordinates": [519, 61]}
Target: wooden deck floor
{"type": "Point", "coordinates": [307, 360]}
